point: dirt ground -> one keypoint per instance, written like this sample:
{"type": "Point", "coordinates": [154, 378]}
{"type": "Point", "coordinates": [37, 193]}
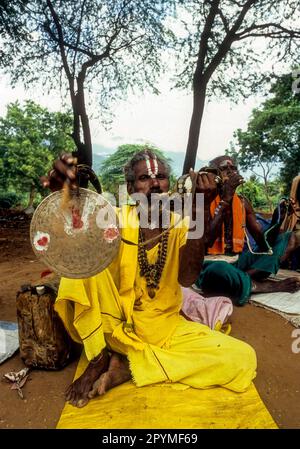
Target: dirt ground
{"type": "Point", "coordinates": [277, 381]}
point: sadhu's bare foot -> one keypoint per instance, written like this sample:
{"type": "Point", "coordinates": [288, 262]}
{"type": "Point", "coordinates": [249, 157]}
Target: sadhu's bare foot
{"type": "Point", "coordinates": [77, 393]}
{"type": "Point", "coordinates": [118, 373]}
{"type": "Point", "coordinates": [290, 285]}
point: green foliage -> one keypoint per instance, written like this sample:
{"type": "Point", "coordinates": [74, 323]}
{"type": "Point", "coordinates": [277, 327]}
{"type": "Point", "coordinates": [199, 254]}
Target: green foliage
{"type": "Point", "coordinates": [30, 138]}
{"type": "Point", "coordinates": [112, 168]}
{"type": "Point", "coordinates": [114, 45]}
{"type": "Point", "coordinates": [11, 20]}
{"type": "Point", "coordinates": [109, 48]}
{"type": "Point", "coordinates": [9, 199]}
{"type": "Point", "coordinates": [254, 191]}
{"type": "Point", "coordinates": [272, 135]}
{"type": "Point", "coordinates": [226, 43]}
{"type": "Point", "coordinates": [223, 48]}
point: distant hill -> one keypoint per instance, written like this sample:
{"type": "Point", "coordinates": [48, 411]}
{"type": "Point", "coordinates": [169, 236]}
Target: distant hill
{"type": "Point", "coordinates": [176, 159]}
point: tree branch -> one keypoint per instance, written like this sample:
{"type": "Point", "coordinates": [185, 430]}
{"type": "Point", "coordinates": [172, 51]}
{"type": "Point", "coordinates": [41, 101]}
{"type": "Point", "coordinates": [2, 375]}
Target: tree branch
{"type": "Point", "coordinates": [76, 124]}
{"type": "Point", "coordinates": [228, 40]}
{"type": "Point", "coordinates": [127, 44]}
{"type": "Point", "coordinates": [60, 40]}
{"type": "Point", "coordinates": [256, 174]}
{"type": "Point", "coordinates": [203, 45]}
{"type": "Point", "coordinates": [224, 20]}
{"type": "Point", "coordinates": [78, 35]}
{"type": "Point", "coordinates": [67, 44]}
{"type": "Point", "coordinates": [247, 32]}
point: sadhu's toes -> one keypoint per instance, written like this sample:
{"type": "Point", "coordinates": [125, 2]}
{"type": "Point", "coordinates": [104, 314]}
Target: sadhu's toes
{"type": "Point", "coordinates": [71, 397]}
{"type": "Point", "coordinates": [100, 387]}
{"type": "Point", "coordinates": [78, 402]}
{"type": "Point", "coordinates": [104, 382]}
{"type": "Point", "coordinates": [94, 391]}
{"type": "Point", "coordinates": [68, 393]}
{"type": "Point", "coordinates": [82, 402]}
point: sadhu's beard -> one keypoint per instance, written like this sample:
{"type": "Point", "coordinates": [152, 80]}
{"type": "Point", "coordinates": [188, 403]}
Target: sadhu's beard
{"type": "Point", "coordinates": [158, 207]}
{"type": "Point", "coordinates": [157, 198]}
{"type": "Point", "coordinates": [153, 194]}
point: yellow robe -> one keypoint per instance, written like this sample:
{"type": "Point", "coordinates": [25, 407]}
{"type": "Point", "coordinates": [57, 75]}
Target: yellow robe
{"type": "Point", "coordinates": [114, 309]}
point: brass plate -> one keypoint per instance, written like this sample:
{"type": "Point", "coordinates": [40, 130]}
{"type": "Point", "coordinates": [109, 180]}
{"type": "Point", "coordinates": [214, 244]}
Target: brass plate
{"type": "Point", "coordinates": [77, 238]}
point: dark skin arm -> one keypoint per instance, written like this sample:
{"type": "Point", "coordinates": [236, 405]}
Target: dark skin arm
{"type": "Point", "coordinates": [192, 253]}
{"type": "Point", "coordinates": [191, 258]}
{"type": "Point", "coordinates": [252, 225]}
{"type": "Point", "coordinates": [230, 183]}
{"type": "Point", "coordinates": [226, 194]}
{"type": "Point", "coordinates": [216, 222]}
{"type": "Point", "coordinates": [255, 229]}
{"type": "Point", "coordinates": [63, 171]}
{"type": "Point", "coordinates": [231, 180]}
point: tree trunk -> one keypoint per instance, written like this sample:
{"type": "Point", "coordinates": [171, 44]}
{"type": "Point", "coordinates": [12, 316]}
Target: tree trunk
{"type": "Point", "coordinates": [267, 195]}
{"type": "Point", "coordinates": [85, 151]}
{"type": "Point", "coordinates": [31, 196]}
{"type": "Point", "coordinates": [195, 125]}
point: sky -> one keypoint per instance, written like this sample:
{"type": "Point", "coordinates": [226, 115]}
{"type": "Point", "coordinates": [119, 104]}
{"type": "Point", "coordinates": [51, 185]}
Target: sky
{"type": "Point", "coordinates": [161, 120]}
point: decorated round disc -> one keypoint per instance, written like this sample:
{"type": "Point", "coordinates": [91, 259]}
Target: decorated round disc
{"type": "Point", "coordinates": [77, 236]}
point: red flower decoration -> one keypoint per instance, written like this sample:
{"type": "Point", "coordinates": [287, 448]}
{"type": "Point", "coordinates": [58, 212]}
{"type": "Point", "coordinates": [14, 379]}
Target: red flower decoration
{"type": "Point", "coordinates": [43, 241]}
{"type": "Point", "coordinates": [110, 234]}
{"type": "Point", "coordinates": [76, 219]}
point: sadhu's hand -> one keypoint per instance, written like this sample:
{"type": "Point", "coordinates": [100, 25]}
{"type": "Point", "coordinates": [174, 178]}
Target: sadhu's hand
{"type": "Point", "coordinates": [230, 185]}
{"type": "Point", "coordinates": [280, 212]}
{"type": "Point", "coordinates": [63, 170]}
{"type": "Point", "coordinates": [286, 207]}
{"type": "Point", "coordinates": [207, 183]}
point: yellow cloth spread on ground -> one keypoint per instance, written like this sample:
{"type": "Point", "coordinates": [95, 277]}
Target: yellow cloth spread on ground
{"type": "Point", "coordinates": [114, 308]}
{"type": "Point", "coordinates": [160, 407]}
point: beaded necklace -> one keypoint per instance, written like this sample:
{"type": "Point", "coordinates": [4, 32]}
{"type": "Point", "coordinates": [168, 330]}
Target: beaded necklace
{"type": "Point", "coordinates": [152, 272]}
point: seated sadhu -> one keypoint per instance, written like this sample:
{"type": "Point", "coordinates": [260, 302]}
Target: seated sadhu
{"type": "Point", "coordinates": [232, 219]}
{"type": "Point", "coordinates": [291, 223]}
{"type": "Point", "coordinates": [128, 316]}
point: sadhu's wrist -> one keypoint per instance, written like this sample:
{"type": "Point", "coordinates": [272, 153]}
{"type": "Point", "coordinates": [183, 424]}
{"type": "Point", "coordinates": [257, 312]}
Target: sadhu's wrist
{"type": "Point", "coordinates": [225, 202]}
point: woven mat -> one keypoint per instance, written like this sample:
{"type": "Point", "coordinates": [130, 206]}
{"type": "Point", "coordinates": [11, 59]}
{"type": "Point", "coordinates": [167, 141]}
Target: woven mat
{"type": "Point", "coordinates": [285, 304]}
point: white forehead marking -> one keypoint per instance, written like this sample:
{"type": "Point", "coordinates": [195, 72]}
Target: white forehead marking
{"type": "Point", "coordinates": [152, 173]}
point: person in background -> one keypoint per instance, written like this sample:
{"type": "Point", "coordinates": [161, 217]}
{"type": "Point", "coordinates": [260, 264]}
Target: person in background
{"type": "Point", "coordinates": [231, 216]}
{"type": "Point", "coordinates": [291, 223]}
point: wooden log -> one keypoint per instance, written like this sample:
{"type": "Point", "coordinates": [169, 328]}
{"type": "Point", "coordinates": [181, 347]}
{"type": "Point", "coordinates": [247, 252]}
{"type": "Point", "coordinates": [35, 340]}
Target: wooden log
{"type": "Point", "coordinates": [44, 342]}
